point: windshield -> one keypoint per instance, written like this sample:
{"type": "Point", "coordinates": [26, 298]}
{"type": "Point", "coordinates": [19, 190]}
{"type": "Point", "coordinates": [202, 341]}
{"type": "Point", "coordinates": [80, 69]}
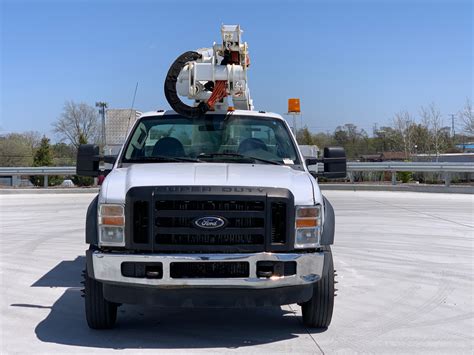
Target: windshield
{"type": "Point", "coordinates": [235, 138]}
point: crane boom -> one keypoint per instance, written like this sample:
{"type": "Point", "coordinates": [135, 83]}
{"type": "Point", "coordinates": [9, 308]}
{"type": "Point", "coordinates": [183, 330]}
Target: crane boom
{"type": "Point", "coordinates": [210, 75]}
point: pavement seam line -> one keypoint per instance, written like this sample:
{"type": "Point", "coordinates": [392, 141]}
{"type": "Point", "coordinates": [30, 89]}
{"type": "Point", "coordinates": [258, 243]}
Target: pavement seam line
{"type": "Point", "coordinates": [307, 330]}
{"type": "Point", "coordinates": [421, 213]}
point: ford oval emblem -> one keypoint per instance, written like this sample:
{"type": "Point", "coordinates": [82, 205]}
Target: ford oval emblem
{"type": "Point", "coordinates": [210, 222]}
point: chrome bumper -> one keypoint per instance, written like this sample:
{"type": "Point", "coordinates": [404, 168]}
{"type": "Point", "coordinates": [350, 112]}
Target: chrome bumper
{"type": "Point", "coordinates": [107, 268]}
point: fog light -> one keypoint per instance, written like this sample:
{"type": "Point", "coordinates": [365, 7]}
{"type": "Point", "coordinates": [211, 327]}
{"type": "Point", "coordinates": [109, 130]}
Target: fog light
{"type": "Point", "coordinates": [307, 238]}
{"type": "Point", "coordinates": [112, 236]}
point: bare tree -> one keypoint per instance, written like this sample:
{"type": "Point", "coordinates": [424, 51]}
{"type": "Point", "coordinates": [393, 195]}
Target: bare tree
{"type": "Point", "coordinates": [403, 124]}
{"type": "Point", "coordinates": [33, 139]}
{"type": "Point", "coordinates": [467, 117]}
{"type": "Point", "coordinates": [431, 117]}
{"type": "Point", "coordinates": [77, 120]}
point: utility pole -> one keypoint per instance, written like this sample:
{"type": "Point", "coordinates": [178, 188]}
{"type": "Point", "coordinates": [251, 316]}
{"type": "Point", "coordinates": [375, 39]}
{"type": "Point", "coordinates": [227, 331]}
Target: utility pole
{"type": "Point", "coordinates": [453, 132]}
{"type": "Point", "coordinates": [102, 106]}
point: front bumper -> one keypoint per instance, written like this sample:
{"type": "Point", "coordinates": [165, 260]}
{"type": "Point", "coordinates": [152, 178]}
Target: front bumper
{"type": "Point", "coordinates": [106, 267]}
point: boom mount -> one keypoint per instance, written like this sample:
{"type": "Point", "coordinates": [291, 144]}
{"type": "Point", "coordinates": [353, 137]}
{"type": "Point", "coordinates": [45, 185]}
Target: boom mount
{"type": "Point", "coordinates": [209, 75]}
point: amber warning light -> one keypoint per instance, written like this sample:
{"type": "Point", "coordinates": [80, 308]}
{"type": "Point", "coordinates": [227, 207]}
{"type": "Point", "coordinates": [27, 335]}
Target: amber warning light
{"type": "Point", "coordinates": [294, 106]}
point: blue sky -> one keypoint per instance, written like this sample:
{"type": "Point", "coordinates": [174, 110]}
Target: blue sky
{"type": "Point", "coordinates": [348, 61]}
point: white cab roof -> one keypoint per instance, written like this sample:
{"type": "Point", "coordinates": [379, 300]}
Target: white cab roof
{"type": "Point", "coordinates": [262, 114]}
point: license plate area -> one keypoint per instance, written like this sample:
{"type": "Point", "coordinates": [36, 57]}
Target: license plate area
{"type": "Point", "coordinates": [209, 270]}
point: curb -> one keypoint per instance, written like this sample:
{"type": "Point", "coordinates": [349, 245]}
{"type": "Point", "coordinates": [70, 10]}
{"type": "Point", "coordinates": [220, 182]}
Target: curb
{"type": "Point", "coordinates": [336, 187]}
{"type": "Point", "coordinates": [71, 190]}
{"type": "Point", "coordinates": [405, 188]}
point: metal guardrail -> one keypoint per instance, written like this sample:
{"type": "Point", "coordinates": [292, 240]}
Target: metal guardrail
{"type": "Point", "coordinates": [43, 170]}
{"type": "Point", "coordinates": [427, 167]}
{"type": "Point", "coordinates": [412, 166]}
{"type": "Point", "coordinates": [393, 167]}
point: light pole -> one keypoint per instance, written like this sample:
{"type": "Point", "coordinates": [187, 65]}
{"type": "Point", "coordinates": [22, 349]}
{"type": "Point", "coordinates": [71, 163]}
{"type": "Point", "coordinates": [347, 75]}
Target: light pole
{"type": "Point", "coordinates": [102, 106]}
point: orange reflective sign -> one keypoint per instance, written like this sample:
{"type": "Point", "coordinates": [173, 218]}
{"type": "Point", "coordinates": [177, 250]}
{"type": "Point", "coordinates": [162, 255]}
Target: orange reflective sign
{"type": "Point", "coordinates": [294, 105]}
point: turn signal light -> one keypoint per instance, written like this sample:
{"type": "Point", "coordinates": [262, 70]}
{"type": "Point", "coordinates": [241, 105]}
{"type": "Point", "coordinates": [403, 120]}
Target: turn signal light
{"type": "Point", "coordinates": [113, 221]}
{"type": "Point", "coordinates": [112, 215]}
{"type": "Point", "coordinates": [306, 223]}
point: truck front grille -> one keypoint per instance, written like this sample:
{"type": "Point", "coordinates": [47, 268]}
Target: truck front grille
{"type": "Point", "coordinates": [245, 224]}
{"type": "Point", "coordinates": [166, 222]}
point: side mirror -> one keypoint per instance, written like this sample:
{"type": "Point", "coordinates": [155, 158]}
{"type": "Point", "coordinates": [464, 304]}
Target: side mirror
{"type": "Point", "coordinates": [334, 160]}
{"type": "Point", "coordinates": [88, 160]}
{"type": "Point", "coordinates": [110, 159]}
{"type": "Point", "coordinates": [311, 161]}
{"type": "Point", "coordinates": [335, 163]}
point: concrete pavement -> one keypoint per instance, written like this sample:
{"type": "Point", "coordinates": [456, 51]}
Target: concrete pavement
{"type": "Point", "coordinates": [405, 264]}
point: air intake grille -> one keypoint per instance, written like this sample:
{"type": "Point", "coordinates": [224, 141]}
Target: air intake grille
{"type": "Point", "coordinates": [175, 228]}
{"type": "Point", "coordinates": [278, 222]}
{"type": "Point", "coordinates": [169, 219]}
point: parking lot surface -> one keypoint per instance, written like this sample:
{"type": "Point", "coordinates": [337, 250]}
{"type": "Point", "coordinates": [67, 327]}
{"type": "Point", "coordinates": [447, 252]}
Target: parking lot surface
{"type": "Point", "coordinates": [405, 265]}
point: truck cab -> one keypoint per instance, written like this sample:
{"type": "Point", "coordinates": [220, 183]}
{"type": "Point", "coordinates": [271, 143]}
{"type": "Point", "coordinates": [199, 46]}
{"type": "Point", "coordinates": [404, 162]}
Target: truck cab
{"type": "Point", "coordinates": [212, 211]}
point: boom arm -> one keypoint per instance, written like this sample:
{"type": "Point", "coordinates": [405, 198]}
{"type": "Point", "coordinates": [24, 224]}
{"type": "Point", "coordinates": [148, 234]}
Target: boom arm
{"type": "Point", "coordinates": [209, 75]}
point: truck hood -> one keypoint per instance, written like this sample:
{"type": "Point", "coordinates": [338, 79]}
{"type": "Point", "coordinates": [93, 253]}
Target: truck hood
{"type": "Point", "coordinates": [120, 180]}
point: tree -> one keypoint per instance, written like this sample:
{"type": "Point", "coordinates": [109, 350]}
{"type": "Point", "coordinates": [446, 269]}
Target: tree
{"type": "Point", "coordinates": [354, 140]}
{"type": "Point", "coordinates": [403, 124]}
{"type": "Point", "coordinates": [387, 139]}
{"type": "Point", "coordinates": [64, 154]}
{"type": "Point", "coordinates": [44, 157]}
{"type": "Point", "coordinates": [76, 120]}
{"type": "Point", "coordinates": [467, 117]}
{"type": "Point", "coordinates": [323, 140]}
{"type": "Point", "coordinates": [32, 139]}
{"type": "Point", "coordinates": [15, 151]}
{"type": "Point", "coordinates": [432, 119]}
{"type": "Point", "coordinates": [304, 137]}
{"type": "Point", "coordinates": [421, 138]}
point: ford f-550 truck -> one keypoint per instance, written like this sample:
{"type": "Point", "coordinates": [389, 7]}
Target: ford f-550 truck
{"type": "Point", "coordinates": [216, 209]}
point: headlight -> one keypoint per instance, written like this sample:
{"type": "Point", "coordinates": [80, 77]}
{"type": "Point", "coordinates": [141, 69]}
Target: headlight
{"type": "Point", "coordinates": [307, 226]}
{"type": "Point", "coordinates": [111, 225]}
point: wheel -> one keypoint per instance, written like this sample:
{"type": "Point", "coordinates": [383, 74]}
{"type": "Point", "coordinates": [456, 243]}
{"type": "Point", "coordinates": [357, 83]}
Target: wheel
{"type": "Point", "coordinates": [100, 313]}
{"type": "Point", "coordinates": [317, 312]}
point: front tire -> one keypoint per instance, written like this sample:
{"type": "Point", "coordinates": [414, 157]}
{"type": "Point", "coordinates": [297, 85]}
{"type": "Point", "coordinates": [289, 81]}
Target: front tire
{"type": "Point", "coordinates": [100, 313]}
{"type": "Point", "coordinates": [317, 312]}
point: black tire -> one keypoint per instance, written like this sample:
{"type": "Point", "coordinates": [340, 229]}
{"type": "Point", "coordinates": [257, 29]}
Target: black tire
{"type": "Point", "coordinates": [317, 312]}
{"type": "Point", "coordinates": [100, 313]}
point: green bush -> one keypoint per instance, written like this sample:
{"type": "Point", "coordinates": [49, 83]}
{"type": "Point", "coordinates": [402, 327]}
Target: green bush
{"type": "Point", "coordinates": [82, 180]}
{"type": "Point", "coordinates": [44, 157]}
{"type": "Point", "coordinates": [404, 176]}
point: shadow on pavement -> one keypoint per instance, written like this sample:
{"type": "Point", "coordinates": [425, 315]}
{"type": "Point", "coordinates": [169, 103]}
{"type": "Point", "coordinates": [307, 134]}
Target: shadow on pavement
{"type": "Point", "coordinates": [66, 274]}
{"type": "Point", "coordinates": [157, 328]}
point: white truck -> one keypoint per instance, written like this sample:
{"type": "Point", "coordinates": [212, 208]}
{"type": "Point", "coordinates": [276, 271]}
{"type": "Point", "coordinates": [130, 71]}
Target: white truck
{"type": "Point", "coordinates": [209, 205]}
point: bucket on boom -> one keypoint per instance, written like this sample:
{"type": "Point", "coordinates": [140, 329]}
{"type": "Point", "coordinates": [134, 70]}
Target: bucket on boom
{"type": "Point", "coordinates": [210, 75]}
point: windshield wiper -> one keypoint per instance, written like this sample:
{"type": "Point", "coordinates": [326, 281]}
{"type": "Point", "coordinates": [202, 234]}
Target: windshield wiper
{"type": "Point", "coordinates": [237, 155]}
{"type": "Point", "coordinates": [162, 158]}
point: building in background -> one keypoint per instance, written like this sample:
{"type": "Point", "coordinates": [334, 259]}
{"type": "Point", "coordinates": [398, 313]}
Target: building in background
{"type": "Point", "coordinates": [466, 147]}
{"type": "Point", "coordinates": [118, 123]}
